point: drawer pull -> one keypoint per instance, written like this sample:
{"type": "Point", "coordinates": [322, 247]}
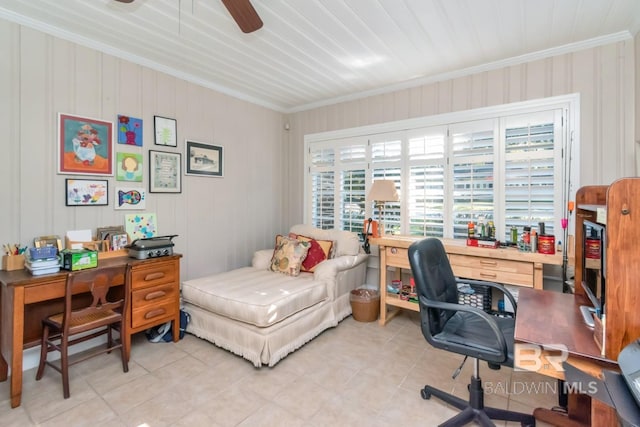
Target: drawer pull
{"type": "Point", "coordinates": [154, 295]}
{"type": "Point", "coordinates": [154, 313]}
{"type": "Point", "coordinates": [491, 263]}
{"type": "Point", "coordinates": [154, 276]}
{"type": "Point", "coordinates": [490, 275]}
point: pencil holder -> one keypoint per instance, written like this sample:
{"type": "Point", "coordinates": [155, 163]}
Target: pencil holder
{"type": "Point", "coordinates": [13, 262]}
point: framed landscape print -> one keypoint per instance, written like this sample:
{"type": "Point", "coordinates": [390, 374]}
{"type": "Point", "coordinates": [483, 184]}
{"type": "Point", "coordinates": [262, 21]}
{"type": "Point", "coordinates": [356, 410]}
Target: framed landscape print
{"type": "Point", "coordinates": [165, 131]}
{"type": "Point", "coordinates": [203, 159]}
{"type": "Point", "coordinates": [164, 172]}
{"type": "Point", "coordinates": [85, 145]}
{"type": "Point", "coordinates": [87, 192]}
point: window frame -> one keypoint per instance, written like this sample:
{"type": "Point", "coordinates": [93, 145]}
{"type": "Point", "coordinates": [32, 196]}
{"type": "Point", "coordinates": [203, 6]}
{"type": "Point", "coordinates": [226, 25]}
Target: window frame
{"type": "Point", "coordinates": [569, 105]}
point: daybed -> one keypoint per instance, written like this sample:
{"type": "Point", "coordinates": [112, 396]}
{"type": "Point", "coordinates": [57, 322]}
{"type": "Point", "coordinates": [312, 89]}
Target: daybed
{"type": "Point", "coordinates": [263, 315]}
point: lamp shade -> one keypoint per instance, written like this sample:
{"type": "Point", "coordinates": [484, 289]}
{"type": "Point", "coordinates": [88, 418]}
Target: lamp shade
{"type": "Point", "coordinates": [383, 191]}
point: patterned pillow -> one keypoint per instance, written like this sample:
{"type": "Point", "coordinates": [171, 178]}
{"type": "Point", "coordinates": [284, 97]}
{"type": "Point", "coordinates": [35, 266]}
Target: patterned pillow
{"type": "Point", "coordinates": [288, 255]}
{"type": "Point", "coordinates": [318, 252]}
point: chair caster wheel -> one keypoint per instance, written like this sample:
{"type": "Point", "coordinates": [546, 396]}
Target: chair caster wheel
{"type": "Point", "coordinates": [426, 395]}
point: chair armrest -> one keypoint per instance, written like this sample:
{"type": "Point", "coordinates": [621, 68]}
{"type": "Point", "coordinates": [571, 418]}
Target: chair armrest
{"type": "Point", "coordinates": [331, 267]}
{"type": "Point", "coordinates": [262, 258]}
{"type": "Point", "coordinates": [489, 319]}
{"type": "Point", "coordinates": [498, 286]}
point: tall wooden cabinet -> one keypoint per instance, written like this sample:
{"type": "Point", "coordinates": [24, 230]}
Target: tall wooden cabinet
{"type": "Point", "coordinates": [617, 207]}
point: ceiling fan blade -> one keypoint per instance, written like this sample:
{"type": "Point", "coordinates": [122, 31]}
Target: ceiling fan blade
{"type": "Point", "coordinates": [125, 1]}
{"type": "Point", "coordinates": [244, 14]}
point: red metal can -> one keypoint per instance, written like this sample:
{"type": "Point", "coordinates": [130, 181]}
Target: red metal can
{"type": "Point", "coordinates": [547, 244]}
{"type": "Point", "coordinates": [592, 248]}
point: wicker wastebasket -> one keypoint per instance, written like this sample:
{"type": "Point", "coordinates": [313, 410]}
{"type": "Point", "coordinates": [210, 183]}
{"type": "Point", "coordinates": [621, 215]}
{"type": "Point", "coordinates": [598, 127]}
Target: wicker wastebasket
{"type": "Point", "coordinates": [365, 304]}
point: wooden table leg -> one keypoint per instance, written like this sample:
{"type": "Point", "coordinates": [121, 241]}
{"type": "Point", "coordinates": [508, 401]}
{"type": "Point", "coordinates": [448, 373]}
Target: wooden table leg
{"type": "Point", "coordinates": [16, 341]}
{"type": "Point", "coordinates": [383, 286]}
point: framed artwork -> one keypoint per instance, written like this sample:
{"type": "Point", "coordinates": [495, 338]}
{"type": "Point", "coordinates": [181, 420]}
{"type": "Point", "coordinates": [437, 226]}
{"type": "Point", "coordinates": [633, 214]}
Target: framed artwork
{"type": "Point", "coordinates": [130, 198]}
{"type": "Point", "coordinates": [44, 241]}
{"type": "Point", "coordinates": [129, 130]}
{"type": "Point", "coordinates": [164, 172]}
{"type": "Point", "coordinates": [85, 145]}
{"type": "Point", "coordinates": [203, 159]}
{"type": "Point", "coordinates": [128, 167]}
{"type": "Point", "coordinates": [141, 226]}
{"type": "Point", "coordinates": [165, 131]}
{"type": "Point", "coordinates": [87, 192]}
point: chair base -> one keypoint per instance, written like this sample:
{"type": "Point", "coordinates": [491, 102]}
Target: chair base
{"type": "Point", "coordinates": [474, 409]}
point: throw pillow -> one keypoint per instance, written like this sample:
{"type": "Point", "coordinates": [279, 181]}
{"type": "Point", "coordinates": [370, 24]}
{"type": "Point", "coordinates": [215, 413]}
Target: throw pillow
{"type": "Point", "coordinates": [318, 252]}
{"type": "Point", "coordinates": [288, 255]}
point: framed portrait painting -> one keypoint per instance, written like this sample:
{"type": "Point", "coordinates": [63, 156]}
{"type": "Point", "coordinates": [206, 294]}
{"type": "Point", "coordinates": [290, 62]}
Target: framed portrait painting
{"type": "Point", "coordinates": [128, 167]}
{"type": "Point", "coordinates": [85, 145]}
{"type": "Point", "coordinates": [164, 172]}
{"type": "Point", "coordinates": [203, 159]}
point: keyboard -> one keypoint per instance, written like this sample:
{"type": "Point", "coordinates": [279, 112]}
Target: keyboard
{"type": "Point", "coordinates": [587, 315]}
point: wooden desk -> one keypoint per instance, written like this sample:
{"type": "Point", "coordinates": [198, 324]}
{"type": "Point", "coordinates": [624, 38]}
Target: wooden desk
{"type": "Point", "coordinates": [25, 300]}
{"type": "Point", "coordinates": [502, 265]}
{"type": "Point", "coordinates": [546, 318]}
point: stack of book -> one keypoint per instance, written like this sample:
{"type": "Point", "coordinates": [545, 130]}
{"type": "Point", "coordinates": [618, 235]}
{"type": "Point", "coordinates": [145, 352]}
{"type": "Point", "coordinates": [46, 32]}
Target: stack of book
{"type": "Point", "coordinates": [42, 261]}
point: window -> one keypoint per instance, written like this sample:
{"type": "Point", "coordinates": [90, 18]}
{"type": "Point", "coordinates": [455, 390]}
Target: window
{"type": "Point", "coordinates": [503, 164]}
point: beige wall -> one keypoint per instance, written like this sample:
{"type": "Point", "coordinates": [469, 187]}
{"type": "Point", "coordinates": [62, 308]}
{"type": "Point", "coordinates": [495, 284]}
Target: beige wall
{"type": "Point", "coordinates": [603, 76]}
{"type": "Point", "coordinates": [220, 221]}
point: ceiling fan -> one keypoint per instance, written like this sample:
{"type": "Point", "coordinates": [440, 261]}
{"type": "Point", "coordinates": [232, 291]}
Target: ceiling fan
{"type": "Point", "coordinates": [241, 11]}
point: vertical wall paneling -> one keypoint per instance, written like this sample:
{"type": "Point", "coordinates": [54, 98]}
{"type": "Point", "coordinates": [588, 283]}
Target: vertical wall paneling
{"type": "Point", "coordinates": [10, 123]}
{"type": "Point", "coordinates": [215, 218]}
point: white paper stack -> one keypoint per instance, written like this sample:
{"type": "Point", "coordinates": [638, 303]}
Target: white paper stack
{"type": "Point", "coordinates": [42, 266]}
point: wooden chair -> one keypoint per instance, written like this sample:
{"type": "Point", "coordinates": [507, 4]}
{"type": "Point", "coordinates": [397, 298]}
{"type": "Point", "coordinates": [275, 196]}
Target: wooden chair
{"type": "Point", "coordinates": [61, 330]}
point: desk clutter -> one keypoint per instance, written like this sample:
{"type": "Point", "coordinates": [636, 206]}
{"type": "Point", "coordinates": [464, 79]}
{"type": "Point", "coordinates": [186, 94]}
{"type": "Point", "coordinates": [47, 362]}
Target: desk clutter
{"type": "Point", "coordinates": [42, 260]}
{"type": "Point", "coordinates": [474, 294]}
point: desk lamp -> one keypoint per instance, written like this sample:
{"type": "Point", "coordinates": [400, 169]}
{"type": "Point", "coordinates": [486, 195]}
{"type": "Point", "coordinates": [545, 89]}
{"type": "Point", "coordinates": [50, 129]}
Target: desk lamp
{"type": "Point", "coordinates": [381, 192]}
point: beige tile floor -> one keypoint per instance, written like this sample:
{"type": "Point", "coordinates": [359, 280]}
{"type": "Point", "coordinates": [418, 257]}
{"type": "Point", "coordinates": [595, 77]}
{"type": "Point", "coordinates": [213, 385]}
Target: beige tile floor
{"type": "Point", "coordinates": [357, 374]}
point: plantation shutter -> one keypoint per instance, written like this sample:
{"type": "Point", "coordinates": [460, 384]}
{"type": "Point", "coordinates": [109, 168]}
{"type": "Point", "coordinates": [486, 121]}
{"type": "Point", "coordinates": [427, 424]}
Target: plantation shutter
{"type": "Point", "coordinates": [322, 186]}
{"type": "Point", "coordinates": [531, 185]}
{"type": "Point", "coordinates": [425, 191]}
{"type": "Point", "coordinates": [352, 186]}
{"type": "Point", "coordinates": [386, 161]}
{"type": "Point", "coordinates": [472, 168]}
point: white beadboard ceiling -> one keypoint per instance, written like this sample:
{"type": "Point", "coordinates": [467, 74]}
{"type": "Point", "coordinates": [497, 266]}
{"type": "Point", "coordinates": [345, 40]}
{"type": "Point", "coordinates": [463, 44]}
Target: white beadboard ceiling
{"type": "Point", "coordinates": [317, 52]}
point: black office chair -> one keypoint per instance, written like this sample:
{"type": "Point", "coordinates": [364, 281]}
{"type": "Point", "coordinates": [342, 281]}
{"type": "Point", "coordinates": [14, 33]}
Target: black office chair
{"type": "Point", "coordinates": [461, 329]}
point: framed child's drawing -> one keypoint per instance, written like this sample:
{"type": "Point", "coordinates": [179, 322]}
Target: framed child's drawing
{"type": "Point", "coordinates": [87, 192]}
{"type": "Point", "coordinates": [85, 145]}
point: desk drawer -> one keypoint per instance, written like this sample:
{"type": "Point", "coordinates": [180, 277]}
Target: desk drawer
{"type": "Point", "coordinates": [397, 257]}
{"type": "Point", "coordinates": [494, 270]}
{"type": "Point", "coordinates": [156, 274]}
{"type": "Point", "coordinates": [150, 304]}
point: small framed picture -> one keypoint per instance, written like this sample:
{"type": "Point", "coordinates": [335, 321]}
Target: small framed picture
{"type": "Point", "coordinates": [45, 241]}
{"type": "Point", "coordinates": [164, 172]}
{"type": "Point", "coordinates": [87, 192]}
{"type": "Point", "coordinates": [165, 131]}
{"type": "Point", "coordinates": [204, 159]}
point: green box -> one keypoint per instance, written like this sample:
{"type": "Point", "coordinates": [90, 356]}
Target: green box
{"type": "Point", "coordinates": [79, 259]}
